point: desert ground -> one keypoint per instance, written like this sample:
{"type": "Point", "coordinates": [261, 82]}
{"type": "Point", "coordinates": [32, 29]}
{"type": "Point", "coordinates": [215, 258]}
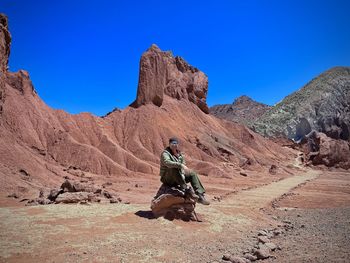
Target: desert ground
{"type": "Point", "coordinates": [309, 211]}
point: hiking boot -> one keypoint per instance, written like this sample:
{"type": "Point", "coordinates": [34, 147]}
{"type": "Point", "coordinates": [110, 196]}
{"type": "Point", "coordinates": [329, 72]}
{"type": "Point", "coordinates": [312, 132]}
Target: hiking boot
{"type": "Point", "coordinates": [202, 200]}
{"type": "Point", "coordinates": [190, 193]}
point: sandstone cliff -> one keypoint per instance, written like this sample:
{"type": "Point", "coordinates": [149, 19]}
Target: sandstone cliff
{"type": "Point", "coordinates": [5, 42]}
{"type": "Point", "coordinates": [162, 74]}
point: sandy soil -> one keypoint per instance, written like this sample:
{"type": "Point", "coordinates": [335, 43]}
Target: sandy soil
{"type": "Point", "coordinates": [319, 216]}
{"type": "Point", "coordinates": [128, 233]}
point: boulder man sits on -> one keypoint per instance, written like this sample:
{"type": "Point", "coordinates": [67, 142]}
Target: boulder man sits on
{"type": "Point", "coordinates": [174, 172]}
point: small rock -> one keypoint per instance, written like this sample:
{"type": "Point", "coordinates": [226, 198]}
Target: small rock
{"type": "Point", "coordinates": [263, 239]}
{"type": "Point", "coordinates": [262, 233]}
{"type": "Point", "coordinates": [235, 259]}
{"type": "Point", "coordinates": [14, 195]}
{"type": "Point", "coordinates": [250, 257]}
{"type": "Point", "coordinates": [217, 198]}
{"type": "Point", "coordinates": [106, 184]}
{"type": "Point", "coordinates": [262, 253]}
{"type": "Point", "coordinates": [277, 232]}
{"type": "Point", "coordinates": [98, 191]}
{"type": "Point", "coordinates": [54, 193]}
{"type": "Point", "coordinates": [93, 198]}
{"type": "Point", "coordinates": [107, 194]}
{"type": "Point", "coordinates": [243, 174]}
{"type": "Point", "coordinates": [226, 257]}
{"type": "Point", "coordinates": [271, 246]}
{"type": "Point", "coordinates": [113, 200]}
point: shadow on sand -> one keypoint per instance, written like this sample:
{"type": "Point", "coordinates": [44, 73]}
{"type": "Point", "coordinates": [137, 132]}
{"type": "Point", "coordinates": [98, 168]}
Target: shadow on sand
{"type": "Point", "coordinates": [145, 214]}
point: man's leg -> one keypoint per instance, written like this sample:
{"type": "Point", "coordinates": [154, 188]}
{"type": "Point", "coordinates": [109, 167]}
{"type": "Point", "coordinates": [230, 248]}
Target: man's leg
{"type": "Point", "coordinates": [193, 178]}
{"type": "Point", "coordinates": [173, 179]}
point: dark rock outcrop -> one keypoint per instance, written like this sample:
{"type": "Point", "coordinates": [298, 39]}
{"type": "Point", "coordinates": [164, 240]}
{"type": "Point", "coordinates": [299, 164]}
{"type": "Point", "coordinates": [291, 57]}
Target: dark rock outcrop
{"type": "Point", "coordinates": [321, 149]}
{"type": "Point", "coordinates": [243, 110]}
{"type": "Point", "coordinates": [163, 74]}
{"type": "Point", "coordinates": [322, 105]}
{"type": "Point", "coordinates": [5, 42]}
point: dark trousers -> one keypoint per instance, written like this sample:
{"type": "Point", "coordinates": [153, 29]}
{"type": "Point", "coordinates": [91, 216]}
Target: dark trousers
{"type": "Point", "coordinates": [177, 180]}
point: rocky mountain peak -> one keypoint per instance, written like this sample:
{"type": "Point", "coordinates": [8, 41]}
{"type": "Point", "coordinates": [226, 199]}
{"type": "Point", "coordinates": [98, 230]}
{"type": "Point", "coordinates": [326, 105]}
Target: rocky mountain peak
{"type": "Point", "coordinates": [322, 105]}
{"type": "Point", "coordinates": [163, 74]}
{"type": "Point", "coordinates": [243, 110]}
{"type": "Point", "coordinates": [242, 100]}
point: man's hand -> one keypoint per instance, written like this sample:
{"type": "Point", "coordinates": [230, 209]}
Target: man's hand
{"type": "Point", "coordinates": [186, 169]}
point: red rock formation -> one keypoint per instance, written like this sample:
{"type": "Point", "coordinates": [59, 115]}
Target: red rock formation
{"type": "Point", "coordinates": [162, 74]}
{"type": "Point", "coordinates": [5, 41]}
{"type": "Point", "coordinates": [40, 146]}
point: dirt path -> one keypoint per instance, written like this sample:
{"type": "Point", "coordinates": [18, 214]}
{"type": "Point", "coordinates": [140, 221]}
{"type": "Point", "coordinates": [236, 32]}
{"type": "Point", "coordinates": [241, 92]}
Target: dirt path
{"type": "Point", "coordinates": [125, 233]}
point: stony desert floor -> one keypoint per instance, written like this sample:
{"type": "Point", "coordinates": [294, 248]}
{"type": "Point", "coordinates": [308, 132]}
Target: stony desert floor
{"type": "Point", "coordinates": [311, 208]}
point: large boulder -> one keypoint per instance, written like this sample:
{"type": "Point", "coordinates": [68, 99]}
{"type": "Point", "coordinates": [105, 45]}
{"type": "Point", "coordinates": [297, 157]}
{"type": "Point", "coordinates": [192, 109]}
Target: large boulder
{"type": "Point", "coordinates": [172, 203]}
{"type": "Point", "coordinates": [69, 198]}
{"type": "Point", "coordinates": [163, 74]}
{"type": "Point", "coordinates": [71, 186]}
{"type": "Point", "coordinates": [321, 149]}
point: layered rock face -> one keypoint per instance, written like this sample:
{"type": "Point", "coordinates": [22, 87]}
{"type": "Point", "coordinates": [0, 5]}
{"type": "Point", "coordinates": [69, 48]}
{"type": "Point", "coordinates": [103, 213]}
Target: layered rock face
{"type": "Point", "coordinates": [322, 105]}
{"type": "Point", "coordinates": [5, 42]}
{"type": "Point", "coordinates": [163, 74]}
{"type": "Point", "coordinates": [172, 203]}
{"type": "Point", "coordinates": [243, 110]}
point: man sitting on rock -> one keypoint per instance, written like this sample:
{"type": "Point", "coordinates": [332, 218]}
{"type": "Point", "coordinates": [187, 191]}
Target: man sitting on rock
{"type": "Point", "coordinates": [174, 172]}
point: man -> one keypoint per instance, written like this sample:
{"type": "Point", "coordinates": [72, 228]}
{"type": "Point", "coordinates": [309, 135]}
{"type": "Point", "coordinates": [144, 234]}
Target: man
{"type": "Point", "coordinates": [174, 172]}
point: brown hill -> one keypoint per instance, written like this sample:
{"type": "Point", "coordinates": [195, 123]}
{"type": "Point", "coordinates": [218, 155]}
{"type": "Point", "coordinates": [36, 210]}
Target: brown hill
{"type": "Point", "coordinates": [243, 110]}
{"type": "Point", "coordinates": [39, 146]}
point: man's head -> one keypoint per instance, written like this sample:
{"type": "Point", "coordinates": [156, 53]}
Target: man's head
{"type": "Point", "coordinates": [173, 143]}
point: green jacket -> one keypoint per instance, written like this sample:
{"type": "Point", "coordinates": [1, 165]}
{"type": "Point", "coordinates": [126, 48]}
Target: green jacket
{"type": "Point", "coordinates": [170, 165]}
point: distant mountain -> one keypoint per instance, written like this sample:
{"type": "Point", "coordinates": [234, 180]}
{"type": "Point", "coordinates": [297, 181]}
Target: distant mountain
{"type": "Point", "coordinates": [322, 105]}
{"type": "Point", "coordinates": [243, 110]}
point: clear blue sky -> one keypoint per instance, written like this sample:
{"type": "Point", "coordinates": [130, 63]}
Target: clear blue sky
{"type": "Point", "coordinates": [83, 56]}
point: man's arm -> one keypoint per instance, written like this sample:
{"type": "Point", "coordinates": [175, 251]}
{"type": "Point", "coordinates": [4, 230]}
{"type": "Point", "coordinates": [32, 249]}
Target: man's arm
{"type": "Point", "coordinates": [166, 160]}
